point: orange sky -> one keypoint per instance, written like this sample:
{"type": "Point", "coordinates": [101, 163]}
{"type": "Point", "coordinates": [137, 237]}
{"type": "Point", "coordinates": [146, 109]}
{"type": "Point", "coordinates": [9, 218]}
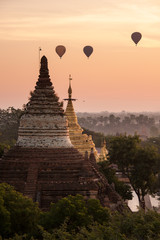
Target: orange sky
{"type": "Point", "coordinates": [118, 76]}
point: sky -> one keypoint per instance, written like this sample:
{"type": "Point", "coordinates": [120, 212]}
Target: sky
{"type": "Point", "coordinates": [118, 76]}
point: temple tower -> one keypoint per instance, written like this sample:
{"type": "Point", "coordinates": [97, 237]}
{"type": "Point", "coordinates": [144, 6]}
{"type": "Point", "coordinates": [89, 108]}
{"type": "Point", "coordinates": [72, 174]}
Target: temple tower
{"type": "Point", "coordinates": [44, 165]}
{"type": "Point", "coordinates": [82, 142]}
{"type": "Point", "coordinates": [103, 153]}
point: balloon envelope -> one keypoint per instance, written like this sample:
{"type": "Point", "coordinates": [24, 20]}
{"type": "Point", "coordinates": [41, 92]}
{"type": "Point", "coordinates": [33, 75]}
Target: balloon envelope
{"type": "Point", "coordinates": [60, 50]}
{"type": "Point", "coordinates": [87, 50]}
{"type": "Point", "coordinates": [136, 37]}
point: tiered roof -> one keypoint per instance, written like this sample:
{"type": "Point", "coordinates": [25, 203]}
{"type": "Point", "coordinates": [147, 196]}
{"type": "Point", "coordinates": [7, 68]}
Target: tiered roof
{"type": "Point", "coordinates": [44, 123]}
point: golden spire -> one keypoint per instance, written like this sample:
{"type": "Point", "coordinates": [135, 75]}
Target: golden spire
{"type": "Point", "coordinates": [70, 89]}
{"type": "Point", "coordinates": [70, 99]}
{"type": "Point", "coordinates": [82, 142]}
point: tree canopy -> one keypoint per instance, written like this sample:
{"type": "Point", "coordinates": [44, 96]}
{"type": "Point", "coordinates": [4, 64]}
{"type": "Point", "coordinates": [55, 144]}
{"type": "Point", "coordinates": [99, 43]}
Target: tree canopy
{"type": "Point", "coordinates": [18, 214]}
{"type": "Point", "coordinates": [71, 218]}
{"type": "Point", "coordinates": [76, 210]}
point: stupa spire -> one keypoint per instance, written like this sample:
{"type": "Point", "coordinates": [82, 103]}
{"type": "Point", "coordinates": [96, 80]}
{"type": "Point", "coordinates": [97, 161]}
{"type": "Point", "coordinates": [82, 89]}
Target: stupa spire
{"type": "Point", "coordinates": [44, 99]}
{"type": "Point", "coordinates": [44, 67]}
{"type": "Point", "coordinates": [70, 99]}
{"type": "Point", "coordinates": [70, 88]}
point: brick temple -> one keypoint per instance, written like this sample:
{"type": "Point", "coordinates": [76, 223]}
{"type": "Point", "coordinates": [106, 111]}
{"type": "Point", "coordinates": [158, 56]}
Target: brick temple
{"type": "Point", "coordinates": [43, 164]}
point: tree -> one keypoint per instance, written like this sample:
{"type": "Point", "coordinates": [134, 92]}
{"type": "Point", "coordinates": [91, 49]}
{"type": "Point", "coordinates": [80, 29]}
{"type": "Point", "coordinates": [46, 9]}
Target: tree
{"type": "Point", "coordinates": [143, 174]}
{"type": "Point", "coordinates": [3, 147]}
{"type": "Point", "coordinates": [76, 211]}
{"type": "Point", "coordinates": [138, 163]}
{"type": "Point", "coordinates": [123, 189]}
{"type": "Point", "coordinates": [5, 224]}
{"type": "Point", "coordinates": [18, 214]}
{"type": "Point", "coordinates": [137, 226]}
{"type": "Point", "coordinates": [122, 150]}
{"type": "Point", "coordinates": [9, 123]}
{"type": "Point", "coordinates": [154, 131]}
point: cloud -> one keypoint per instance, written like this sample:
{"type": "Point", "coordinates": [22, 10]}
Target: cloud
{"type": "Point", "coordinates": [48, 19]}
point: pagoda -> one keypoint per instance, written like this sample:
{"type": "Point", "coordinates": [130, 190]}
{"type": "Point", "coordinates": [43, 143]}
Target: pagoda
{"type": "Point", "coordinates": [43, 164]}
{"type": "Point", "coordinates": [82, 142]}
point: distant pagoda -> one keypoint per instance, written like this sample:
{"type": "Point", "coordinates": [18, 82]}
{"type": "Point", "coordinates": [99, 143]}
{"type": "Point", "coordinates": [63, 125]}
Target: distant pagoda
{"type": "Point", "coordinates": [82, 142]}
{"type": "Point", "coordinates": [44, 165]}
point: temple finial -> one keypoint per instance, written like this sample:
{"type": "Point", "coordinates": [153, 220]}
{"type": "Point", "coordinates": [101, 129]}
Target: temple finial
{"type": "Point", "coordinates": [70, 89]}
{"type": "Point", "coordinates": [70, 99]}
{"type": "Point", "coordinates": [44, 67]}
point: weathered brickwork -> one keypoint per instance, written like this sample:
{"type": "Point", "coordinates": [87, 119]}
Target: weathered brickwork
{"type": "Point", "coordinates": [45, 130]}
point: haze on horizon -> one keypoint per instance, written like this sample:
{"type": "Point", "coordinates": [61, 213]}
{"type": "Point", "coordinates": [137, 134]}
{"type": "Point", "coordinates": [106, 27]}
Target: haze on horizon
{"type": "Point", "coordinates": [118, 76]}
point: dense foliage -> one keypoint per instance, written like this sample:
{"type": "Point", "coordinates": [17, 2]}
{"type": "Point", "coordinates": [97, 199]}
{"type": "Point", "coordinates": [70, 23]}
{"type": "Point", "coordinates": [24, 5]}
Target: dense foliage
{"type": "Point", "coordinates": [77, 211]}
{"type": "Point", "coordinates": [18, 214]}
{"type": "Point", "coordinates": [72, 218]}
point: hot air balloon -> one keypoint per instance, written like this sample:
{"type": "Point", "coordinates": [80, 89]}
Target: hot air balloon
{"type": "Point", "coordinates": [60, 50]}
{"type": "Point", "coordinates": [88, 50]}
{"type": "Point", "coordinates": [136, 37]}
